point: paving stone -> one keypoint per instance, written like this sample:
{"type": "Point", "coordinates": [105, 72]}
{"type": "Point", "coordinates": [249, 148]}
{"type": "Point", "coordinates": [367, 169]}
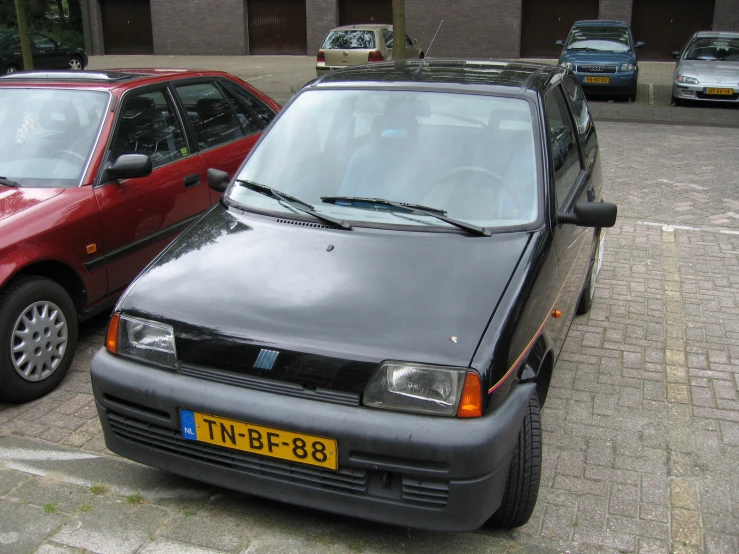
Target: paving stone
{"type": "Point", "coordinates": [225, 534]}
{"type": "Point", "coordinates": [10, 479]}
{"type": "Point", "coordinates": [170, 547]}
{"type": "Point", "coordinates": [24, 527]}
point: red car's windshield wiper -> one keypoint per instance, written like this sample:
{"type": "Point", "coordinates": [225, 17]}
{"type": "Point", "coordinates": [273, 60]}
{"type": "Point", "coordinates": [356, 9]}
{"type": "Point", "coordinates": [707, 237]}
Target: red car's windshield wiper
{"type": "Point", "coordinates": [431, 212]}
{"type": "Point", "coordinates": [8, 183]}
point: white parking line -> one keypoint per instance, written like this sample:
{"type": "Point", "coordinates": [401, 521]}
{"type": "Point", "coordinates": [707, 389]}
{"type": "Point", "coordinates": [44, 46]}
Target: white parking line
{"type": "Point", "coordinates": [651, 93]}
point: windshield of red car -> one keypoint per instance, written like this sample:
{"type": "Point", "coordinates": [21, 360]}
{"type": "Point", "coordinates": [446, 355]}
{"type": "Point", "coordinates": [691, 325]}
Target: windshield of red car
{"type": "Point", "coordinates": [714, 48]}
{"type": "Point", "coordinates": [47, 135]}
{"type": "Point", "coordinates": [472, 156]}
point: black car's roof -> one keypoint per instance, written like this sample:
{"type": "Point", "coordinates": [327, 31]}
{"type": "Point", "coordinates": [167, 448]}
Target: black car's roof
{"type": "Point", "coordinates": [511, 77]}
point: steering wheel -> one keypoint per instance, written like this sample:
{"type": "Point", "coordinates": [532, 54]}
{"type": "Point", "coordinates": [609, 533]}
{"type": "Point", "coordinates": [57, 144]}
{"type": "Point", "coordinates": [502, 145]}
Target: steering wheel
{"type": "Point", "coordinates": [499, 180]}
{"type": "Point", "coordinates": [68, 152]}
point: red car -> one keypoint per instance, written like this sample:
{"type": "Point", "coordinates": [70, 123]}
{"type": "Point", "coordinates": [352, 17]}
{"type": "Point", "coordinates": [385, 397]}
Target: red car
{"type": "Point", "coordinates": [99, 171]}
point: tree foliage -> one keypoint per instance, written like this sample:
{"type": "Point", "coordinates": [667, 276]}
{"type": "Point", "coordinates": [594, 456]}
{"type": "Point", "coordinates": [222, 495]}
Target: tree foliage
{"type": "Point", "coordinates": [59, 19]}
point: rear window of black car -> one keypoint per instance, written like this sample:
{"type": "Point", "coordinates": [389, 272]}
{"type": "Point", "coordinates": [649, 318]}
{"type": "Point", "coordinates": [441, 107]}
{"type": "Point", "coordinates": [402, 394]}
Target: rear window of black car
{"type": "Point", "coordinates": [349, 40]}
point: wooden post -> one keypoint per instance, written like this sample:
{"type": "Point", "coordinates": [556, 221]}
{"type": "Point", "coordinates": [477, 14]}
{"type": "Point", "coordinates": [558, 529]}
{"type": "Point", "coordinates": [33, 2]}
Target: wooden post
{"type": "Point", "coordinates": [20, 15]}
{"type": "Point", "coordinates": [398, 29]}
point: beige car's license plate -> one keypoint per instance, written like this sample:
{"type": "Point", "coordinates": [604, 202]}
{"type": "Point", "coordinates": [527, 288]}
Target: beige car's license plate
{"type": "Point", "coordinates": [265, 441]}
{"type": "Point", "coordinates": [720, 91]}
{"type": "Point", "coordinates": [602, 80]}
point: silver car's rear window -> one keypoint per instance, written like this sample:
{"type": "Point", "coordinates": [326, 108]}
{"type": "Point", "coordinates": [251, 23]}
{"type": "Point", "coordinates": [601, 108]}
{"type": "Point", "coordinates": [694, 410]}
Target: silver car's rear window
{"type": "Point", "coordinates": [349, 40]}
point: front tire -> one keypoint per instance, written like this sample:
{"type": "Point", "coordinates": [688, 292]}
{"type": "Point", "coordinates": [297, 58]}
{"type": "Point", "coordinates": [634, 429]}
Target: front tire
{"type": "Point", "coordinates": [38, 336]}
{"type": "Point", "coordinates": [522, 486]}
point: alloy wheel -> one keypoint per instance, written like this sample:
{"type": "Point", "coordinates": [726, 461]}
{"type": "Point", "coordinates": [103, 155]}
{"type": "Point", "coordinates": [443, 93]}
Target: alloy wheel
{"type": "Point", "coordinates": [75, 64]}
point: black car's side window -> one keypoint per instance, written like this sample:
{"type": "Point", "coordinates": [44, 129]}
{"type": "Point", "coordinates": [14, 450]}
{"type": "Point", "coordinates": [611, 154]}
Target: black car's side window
{"type": "Point", "coordinates": [581, 114]}
{"type": "Point", "coordinates": [42, 43]}
{"type": "Point", "coordinates": [563, 148]}
{"type": "Point", "coordinates": [251, 104]}
{"type": "Point", "coordinates": [211, 115]}
{"type": "Point", "coordinates": [148, 124]}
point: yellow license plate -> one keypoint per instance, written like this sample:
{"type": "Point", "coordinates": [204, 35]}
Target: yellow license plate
{"type": "Point", "coordinates": [605, 80]}
{"type": "Point", "coordinates": [723, 91]}
{"type": "Point", "coordinates": [238, 435]}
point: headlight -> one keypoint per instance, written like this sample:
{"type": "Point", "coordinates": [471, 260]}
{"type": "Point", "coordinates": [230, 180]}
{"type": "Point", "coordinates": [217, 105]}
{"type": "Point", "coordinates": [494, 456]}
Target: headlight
{"type": "Point", "coordinates": [628, 67]}
{"type": "Point", "coordinates": [142, 339]}
{"type": "Point", "coordinates": [687, 80]}
{"type": "Point", "coordinates": [422, 389]}
{"type": "Point", "coordinates": [566, 65]}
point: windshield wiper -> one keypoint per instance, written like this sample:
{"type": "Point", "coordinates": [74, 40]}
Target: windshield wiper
{"type": "Point", "coordinates": [585, 49]}
{"type": "Point", "coordinates": [431, 212]}
{"type": "Point", "coordinates": [295, 203]}
{"type": "Point", "coordinates": [8, 183]}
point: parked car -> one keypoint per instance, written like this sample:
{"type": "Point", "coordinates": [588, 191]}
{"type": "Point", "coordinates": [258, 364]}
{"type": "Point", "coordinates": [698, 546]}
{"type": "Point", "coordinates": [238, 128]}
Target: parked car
{"type": "Point", "coordinates": [47, 53]}
{"type": "Point", "coordinates": [382, 295]}
{"type": "Point", "coordinates": [99, 171]}
{"type": "Point", "coordinates": [602, 54]}
{"type": "Point", "coordinates": [360, 44]}
{"type": "Point", "coordinates": [707, 69]}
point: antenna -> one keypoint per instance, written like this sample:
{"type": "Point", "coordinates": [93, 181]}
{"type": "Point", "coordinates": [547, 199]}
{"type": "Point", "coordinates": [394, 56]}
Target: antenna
{"type": "Point", "coordinates": [426, 56]}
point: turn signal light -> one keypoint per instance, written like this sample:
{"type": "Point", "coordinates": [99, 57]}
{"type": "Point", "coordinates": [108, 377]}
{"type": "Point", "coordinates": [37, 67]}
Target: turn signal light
{"type": "Point", "coordinates": [321, 57]}
{"type": "Point", "coordinates": [375, 56]}
{"type": "Point", "coordinates": [470, 404]}
{"type": "Point", "coordinates": [111, 338]}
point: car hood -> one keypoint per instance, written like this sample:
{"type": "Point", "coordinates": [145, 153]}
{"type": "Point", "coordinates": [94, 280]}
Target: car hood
{"type": "Point", "coordinates": [712, 71]}
{"type": "Point", "coordinates": [366, 295]}
{"type": "Point", "coordinates": [14, 200]}
{"type": "Point", "coordinates": [597, 58]}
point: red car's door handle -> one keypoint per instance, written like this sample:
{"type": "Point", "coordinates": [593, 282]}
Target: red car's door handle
{"type": "Point", "coordinates": [191, 180]}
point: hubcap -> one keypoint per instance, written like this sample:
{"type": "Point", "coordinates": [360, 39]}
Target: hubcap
{"type": "Point", "coordinates": [75, 64]}
{"type": "Point", "coordinates": [10, 70]}
{"type": "Point", "coordinates": [38, 341]}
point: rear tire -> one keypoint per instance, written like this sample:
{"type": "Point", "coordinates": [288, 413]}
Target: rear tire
{"type": "Point", "coordinates": [38, 336]}
{"type": "Point", "coordinates": [522, 486]}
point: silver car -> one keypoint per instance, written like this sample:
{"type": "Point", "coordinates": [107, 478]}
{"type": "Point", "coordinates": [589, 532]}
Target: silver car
{"type": "Point", "coordinates": [707, 69]}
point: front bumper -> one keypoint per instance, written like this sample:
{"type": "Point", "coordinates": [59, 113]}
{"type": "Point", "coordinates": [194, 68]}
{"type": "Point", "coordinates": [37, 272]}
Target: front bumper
{"type": "Point", "coordinates": [404, 469]}
{"type": "Point", "coordinates": [683, 91]}
{"type": "Point", "coordinates": [618, 83]}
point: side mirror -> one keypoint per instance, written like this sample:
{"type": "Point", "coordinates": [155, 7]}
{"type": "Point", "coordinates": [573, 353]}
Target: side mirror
{"type": "Point", "coordinates": [559, 43]}
{"type": "Point", "coordinates": [591, 214]}
{"type": "Point", "coordinates": [676, 55]}
{"type": "Point", "coordinates": [130, 166]}
{"type": "Point", "coordinates": [640, 44]}
{"type": "Point", "coordinates": [218, 180]}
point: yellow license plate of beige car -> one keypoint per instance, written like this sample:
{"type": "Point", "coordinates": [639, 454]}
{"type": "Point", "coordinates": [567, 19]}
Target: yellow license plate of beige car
{"type": "Point", "coordinates": [604, 80]}
{"type": "Point", "coordinates": [722, 91]}
{"type": "Point", "coordinates": [255, 439]}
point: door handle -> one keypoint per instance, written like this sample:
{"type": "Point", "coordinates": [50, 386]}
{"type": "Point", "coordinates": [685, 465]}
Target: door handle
{"type": "Point", "coordinates": [191, 180]}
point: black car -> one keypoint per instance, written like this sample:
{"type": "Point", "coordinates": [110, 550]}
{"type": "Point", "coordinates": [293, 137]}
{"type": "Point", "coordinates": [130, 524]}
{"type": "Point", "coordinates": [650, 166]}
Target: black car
{"type": "Point", "coordinates": [46, 52]}
{"type": "Point", "coordinates": [368, 322]}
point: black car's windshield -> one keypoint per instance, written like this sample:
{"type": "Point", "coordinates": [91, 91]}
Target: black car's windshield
{"type": "Point", "coordinates": [471, 156]}
{"type": "Point", "coordinates": [713, 49]}
{"type": "Point", "coordinates": [46, 135]}
{"type": "Point", "coordinates": [600, 39]}
{"type": "Point", "coordinates": [349, 40]}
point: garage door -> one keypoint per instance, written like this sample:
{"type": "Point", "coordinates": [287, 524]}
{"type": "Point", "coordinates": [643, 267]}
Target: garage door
{"type": "Point", "coordinates": [127, 27]}
{"type": "Point", "coordinates": [665, 25]}
{"type": "Point", "coordinates": [277, 27]}
{"type": "Point", "coordinates": [545, 21]}
{"type": "Point", "coordinates": [355, 12]}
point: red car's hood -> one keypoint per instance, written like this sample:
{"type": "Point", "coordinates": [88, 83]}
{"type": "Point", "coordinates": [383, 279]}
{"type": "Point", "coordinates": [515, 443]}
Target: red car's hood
{"type": "Point", "coordinates": [14, 200]}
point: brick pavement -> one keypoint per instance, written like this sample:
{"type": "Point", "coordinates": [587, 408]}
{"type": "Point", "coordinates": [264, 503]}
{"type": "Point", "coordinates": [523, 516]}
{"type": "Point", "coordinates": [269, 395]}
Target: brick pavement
{"type": "Point", "coordinates": [641, 429]}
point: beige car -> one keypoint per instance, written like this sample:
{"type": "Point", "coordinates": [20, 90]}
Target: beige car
{"type": "Point", "coordinates": [358, 44]}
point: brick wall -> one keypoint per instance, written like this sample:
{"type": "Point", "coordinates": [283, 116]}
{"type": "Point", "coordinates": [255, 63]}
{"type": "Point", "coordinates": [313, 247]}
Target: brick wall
{"type": "Point", "coordinates": [619, 10]}
{"type": "Point", "coordinates": [321, 17]}
{"type": "Point", "coordinates": [472, 28]}
{"type": "Point", "coordinates": [96, 28]}
{"type": "Point", "coordinates": [726, 15]}
{"type": "Point", "coordinates": [196, 27]}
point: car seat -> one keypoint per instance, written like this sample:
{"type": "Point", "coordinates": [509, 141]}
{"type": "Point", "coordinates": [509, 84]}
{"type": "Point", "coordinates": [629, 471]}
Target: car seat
{"type": "Point", "coordinates": [217, 124]}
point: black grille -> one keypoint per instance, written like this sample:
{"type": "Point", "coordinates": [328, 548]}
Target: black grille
{"type": "Point", "coordinates": [597, 68]}
{"type": "Point", "coordinates": [270, 385]}
{"type": "Point", "coordinates": [351, 480]}
{"type": "Point", "coordinates": [433, 494]}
